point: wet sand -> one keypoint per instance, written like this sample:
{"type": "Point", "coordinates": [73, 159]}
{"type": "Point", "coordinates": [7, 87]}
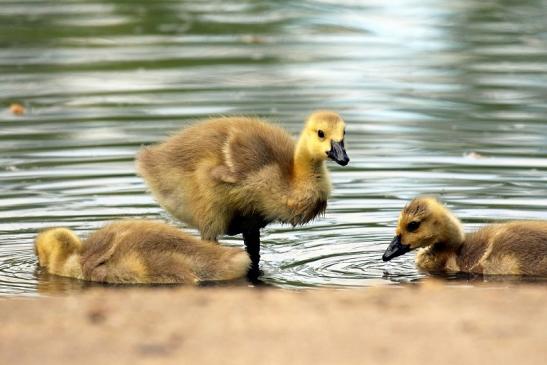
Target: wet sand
{"type": "Point", "coordinates": [429, 324]}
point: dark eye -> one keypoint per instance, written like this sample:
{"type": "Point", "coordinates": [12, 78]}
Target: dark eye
{"type": "Point", "coordinates": [320, 133]}
{"type": "Point", "coordinates": [412, 226]}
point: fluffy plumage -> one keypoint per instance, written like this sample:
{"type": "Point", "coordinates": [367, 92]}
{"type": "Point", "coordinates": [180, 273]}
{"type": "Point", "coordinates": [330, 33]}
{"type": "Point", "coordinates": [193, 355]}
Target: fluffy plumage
{"type": "Point", "coordinates": [512, 248]}
{"type": "Point", "coordinates": [235, 175]}
{"type": "Point", "coordinates": [138, 251]}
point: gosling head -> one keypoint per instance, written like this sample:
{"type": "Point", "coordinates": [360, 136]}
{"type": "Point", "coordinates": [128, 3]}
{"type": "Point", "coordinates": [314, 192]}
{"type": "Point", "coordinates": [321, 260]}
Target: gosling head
{"type": "Point", "coordinates": [423, 222]}
{"type": "Point", "coordinates": [55, 243]}
{"type": "Point", "coordinates": [323, 137]}
{"type": "Point", "coordinates": [46, 246]}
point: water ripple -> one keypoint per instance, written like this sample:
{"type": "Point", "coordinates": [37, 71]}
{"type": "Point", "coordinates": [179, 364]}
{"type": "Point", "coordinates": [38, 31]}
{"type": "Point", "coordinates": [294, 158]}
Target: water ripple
{"type": "Point", "coordinates": [440, 98]}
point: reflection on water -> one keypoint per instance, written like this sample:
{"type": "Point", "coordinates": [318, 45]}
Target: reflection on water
{"type": "Point", "coordinates": [440, 98]}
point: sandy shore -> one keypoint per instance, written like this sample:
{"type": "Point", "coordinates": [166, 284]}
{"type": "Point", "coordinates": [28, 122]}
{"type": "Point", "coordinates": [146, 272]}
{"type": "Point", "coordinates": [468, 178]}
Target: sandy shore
{"type": "Point", "coordinates": [432, 324]}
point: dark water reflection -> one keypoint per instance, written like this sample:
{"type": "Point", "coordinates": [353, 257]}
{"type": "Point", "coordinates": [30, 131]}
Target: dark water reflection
{"type": "Point", "coordinates": [440, 97]}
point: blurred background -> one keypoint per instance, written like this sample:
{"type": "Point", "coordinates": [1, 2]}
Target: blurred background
{"type": "Point", "coordinates": [440, 97]}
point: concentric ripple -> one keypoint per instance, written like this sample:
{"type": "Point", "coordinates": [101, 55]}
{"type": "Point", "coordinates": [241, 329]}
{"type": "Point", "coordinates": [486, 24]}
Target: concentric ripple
{"type": "Point", "coordinates": [443, 98]}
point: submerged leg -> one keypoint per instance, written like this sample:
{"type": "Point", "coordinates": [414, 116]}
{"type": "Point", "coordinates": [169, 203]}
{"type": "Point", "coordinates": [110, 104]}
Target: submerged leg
{"type": "Point", "coordinates": [251, 237]}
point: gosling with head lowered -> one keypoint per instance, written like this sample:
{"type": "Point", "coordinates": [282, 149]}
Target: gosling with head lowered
{"type": "Point", "coordinates": [138, 252]}
{"type": "Point", "coordinates": [512, 248]}
{"type": "Point", "coordinates": [236, 175]}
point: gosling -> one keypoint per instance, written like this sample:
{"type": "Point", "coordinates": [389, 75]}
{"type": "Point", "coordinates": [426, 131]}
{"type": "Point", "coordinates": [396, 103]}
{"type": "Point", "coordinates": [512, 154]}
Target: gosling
{"type": "Point", "coordinates": [236, 175]}
{"type": "Point", "coordinates": [138, 252]}
{"type": "Point", "coordinates": [512, 248]}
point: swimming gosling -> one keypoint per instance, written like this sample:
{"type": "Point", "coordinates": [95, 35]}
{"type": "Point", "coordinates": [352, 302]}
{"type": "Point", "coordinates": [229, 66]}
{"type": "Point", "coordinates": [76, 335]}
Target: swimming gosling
{"type": "Point", "coordinates": [512, 248]}
{"type": "Point", "coordinates": [138, 252]}
{"type": "Point", "coordinates": [236, 175]}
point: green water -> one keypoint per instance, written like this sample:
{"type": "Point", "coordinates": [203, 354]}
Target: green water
{"type": "Point", "coordinates": [440, 97]}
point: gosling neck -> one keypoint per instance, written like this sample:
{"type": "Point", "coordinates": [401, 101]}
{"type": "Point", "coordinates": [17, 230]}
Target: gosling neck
{"type": "Point", "coordinates": [453, 236]}
{"type": "Point", "coordinates": [305, 165]}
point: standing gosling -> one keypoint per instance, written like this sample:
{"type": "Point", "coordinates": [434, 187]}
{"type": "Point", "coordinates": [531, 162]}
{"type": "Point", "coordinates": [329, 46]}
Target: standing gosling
{"type": "Point", "coordinates": [236, 175]}
{"type": "Point", "coordinates": [513, 248]}
{"type": "Point", "coordinates": [138, 252]}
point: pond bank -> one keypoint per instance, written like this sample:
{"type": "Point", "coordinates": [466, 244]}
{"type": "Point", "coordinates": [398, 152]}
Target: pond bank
{"type": "Point", "coordinates": [431, 323]}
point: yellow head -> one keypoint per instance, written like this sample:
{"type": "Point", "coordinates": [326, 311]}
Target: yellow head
{"type": "Point", "coordinates": [323, 137]}
{"type": "Point", "coordinates": [54, 245]}
{"type": "Point", "coordinates": [423, 222]}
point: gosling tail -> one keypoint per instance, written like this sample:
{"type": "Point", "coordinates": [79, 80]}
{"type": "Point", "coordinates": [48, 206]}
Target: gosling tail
{"type": "Point", "coordinates": [59, 252]}
{"type": "Point", "coordinates": [234, 264]}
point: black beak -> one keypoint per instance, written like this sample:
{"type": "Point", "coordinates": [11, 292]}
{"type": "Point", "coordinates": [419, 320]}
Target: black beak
{"type": "Point", "coordinates": [395, 248]}
{"type": "Point", "coordinates": [338, 153]}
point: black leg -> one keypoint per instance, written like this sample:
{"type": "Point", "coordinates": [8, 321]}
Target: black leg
{"type": "Point", "coordinates": [251, 237]}
{"type": "Point", "coordinates": [250, 227]}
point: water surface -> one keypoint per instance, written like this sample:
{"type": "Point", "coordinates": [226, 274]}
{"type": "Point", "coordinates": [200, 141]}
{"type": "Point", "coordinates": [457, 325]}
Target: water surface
{"type": "Point", "coordinates": [440, 98]}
